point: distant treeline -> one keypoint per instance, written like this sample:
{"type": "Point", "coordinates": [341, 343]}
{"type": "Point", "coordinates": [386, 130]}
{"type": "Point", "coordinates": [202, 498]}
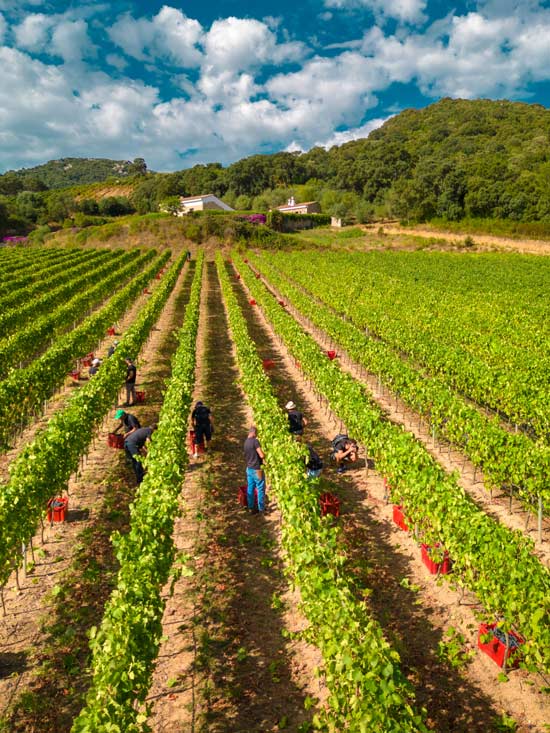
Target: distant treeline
{"type": "Point", "coordinates": [451, 160]}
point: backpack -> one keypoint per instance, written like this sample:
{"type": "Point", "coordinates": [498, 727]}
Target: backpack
{"type": "Point", "coordinates": [295, 422]}
{"type": "Point", "coordinates": [314, 463]}
{"type": "Point", "coordinates": [339, 442]}
{"type": "Point", "coordinates": [202, 414]}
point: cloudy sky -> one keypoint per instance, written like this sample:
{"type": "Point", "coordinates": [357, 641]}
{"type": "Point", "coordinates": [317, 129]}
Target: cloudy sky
{"type": "Point", "coordinates": [180, 84]}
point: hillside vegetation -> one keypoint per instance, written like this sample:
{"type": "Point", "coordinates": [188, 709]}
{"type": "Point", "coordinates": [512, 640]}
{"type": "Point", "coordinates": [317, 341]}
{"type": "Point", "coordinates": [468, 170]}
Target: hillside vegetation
{"type": "Point", "coordinates": [453, 160]}
{"type": "Point", "coordinates": [67, 172]}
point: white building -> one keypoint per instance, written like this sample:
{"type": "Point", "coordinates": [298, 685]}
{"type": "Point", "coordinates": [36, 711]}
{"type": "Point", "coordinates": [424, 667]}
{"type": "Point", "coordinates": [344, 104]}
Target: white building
{"type": "Point", "coordinates": [202, 203]}
{"type": "Point", "coordinates": [308, 207]}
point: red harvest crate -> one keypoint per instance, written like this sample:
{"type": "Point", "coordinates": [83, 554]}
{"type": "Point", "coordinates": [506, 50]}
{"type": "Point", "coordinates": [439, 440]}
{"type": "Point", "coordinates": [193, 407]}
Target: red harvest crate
{"type": "Point", "coordinates": [75, 374]}
{"type": "Point", "coordinates": [268, 363]}
{"type": "Point", "coordinates": [87, 360]}
{"type": "Point", "coordinates": [258, 276]}
{"type": "Point", "coordinates": [146, 291]}
{"type": "Point", "coordinates": [252, 301]}
{"type": "Point", "coordinates": [195, 447]}
{"type": "Point", "coordinates": [114, 440]}
{"type": "Point", "coordinates": [496, 647]}
{"type": "Point", "coordinates": [331, 354]}
{"type": "Point", "coordinates": [242, 496]}
{"type": "Point", "coordinates": [330, 504]}
{"type": "Point", "coordinates": [282, 302]}
{"type": "Point", "coordinates": [57, 509]}
{"type": "Point", "coordinates": [399, 517]}
{"type": "Point", "coordinates": [238, 276]}
{"type": "Point", "coordinates": [434, 567]}
{"type": "Point", "coordinates": [111, 331]}
{"type": "Point", "coordinates": [140, 396]}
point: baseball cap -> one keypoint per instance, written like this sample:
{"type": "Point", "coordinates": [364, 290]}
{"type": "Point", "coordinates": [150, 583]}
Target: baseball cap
{"type": "Point", "coordinates": [118, 414]}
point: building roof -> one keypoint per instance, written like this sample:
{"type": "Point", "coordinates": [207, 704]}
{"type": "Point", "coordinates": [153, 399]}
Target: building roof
{"type": "Point", "coordinates": [197, 198]}
{"type": "Point", "coordinates": [296, 206]}
{"type": "Point", "coordinates": [205, 197]}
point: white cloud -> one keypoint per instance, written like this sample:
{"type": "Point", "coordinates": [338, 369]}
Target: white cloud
{"type": "Point", "coordinates": [54, 34]}
{"type": "Point", "coordinates": [408, 11]}
{"type": "Point", "coordinates": [70, 40]}
{"type": "Point", "coordinates": [222, 107]}
{"type": "Point", "coordinates": [113, 59]}
{"type": "Point", "coordinates": [237, 44]}
{"type": "Point", "coordinates": [170, 35]}
{"type": "Point", "coordinates": [339, 138]}
{"type": "Point", "coordinates": [33, 33]}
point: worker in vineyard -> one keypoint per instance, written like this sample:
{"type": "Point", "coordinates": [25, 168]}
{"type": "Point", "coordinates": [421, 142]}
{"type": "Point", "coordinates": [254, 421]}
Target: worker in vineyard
{"type": "Point", "coordinates": [255, 478]}
{"type": "Point", "coordinates": [112, 348]}
{"type": "Point", "coordinates": [314, 464]}
{"type": "Point", "coordinates": [135, 445]}
{"type": "Point", "coordinates": [201, 418]}
{"type": "Point", "coordinates": [344, 450]}
{"type": "Point", "coordinates": [127, 423]}
{"type": "Point", "coordinates": [130, 383]}
{"type": "Point", "coordinates": [96, 363]}
{"type": "Point", "coordinates": [188, 256]}
{"type": "Point", "coordinates": [296, 420]}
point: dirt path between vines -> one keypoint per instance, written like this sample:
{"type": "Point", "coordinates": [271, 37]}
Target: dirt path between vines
{"type": "Point", "coordinates": [482, 241]}
{"type": "Point", "coordinates": [59, 399]}
{"type": "Point", "coordinates": [43, 642]}
{"type": "Point", "coordinates": [225, 666]}
{"type": "Point", "coordinates": [414, 609]}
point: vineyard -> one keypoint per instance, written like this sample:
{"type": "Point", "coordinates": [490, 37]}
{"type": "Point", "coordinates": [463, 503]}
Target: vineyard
{"type": "Point", "coordinates": [407, 592]}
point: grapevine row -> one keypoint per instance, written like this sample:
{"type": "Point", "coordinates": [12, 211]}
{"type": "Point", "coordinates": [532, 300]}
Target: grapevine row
{"type": "Point", "coordinates": [45, 273]}
{"type": "Point", "coordinates": [495, 563]}
{"type": "Point", "coordinates": [44, 466]}
{"type": "Point", "coordinates": [25, 263]}
{"type": "Point", "coordinates": [367, 689]}
{"type": "Point", "coordinates": [52, 291]}
{"type": "Point", "coordinates": [504, 457]}
{"type": "Point", "coordinates": [28, 341]}
{"type": "Point", "coordinates": [515, 383]}
{"type": "Point", "coordinates": [24, 391]}
{"type": "Point", "coordinates": [125, 646]}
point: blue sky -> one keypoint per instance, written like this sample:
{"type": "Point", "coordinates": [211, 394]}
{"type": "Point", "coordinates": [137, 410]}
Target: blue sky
{"type": "Point", "coordinates": [180, 84]}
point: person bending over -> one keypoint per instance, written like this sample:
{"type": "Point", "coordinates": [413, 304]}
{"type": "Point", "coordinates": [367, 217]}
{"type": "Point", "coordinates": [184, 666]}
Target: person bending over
{"type": "Point", "coordinates": [344, 450]}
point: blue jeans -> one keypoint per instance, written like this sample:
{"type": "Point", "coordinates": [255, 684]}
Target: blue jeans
{"type": "Point", "coordinates": [253, 482]}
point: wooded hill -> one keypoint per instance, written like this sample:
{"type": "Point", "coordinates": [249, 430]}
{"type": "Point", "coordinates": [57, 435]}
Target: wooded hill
{"type": "Point", "coordinates": [453, 159]}
{"type": "Point", "coordinates": [67, 172]}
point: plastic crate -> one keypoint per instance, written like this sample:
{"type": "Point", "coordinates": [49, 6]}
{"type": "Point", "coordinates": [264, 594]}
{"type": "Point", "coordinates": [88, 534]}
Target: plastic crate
{"type": "Point", "coordinates": [195, 447]}
{"type": "Point", "coordinates": [496, 648]}
{"type": "Point", "coordinates": [435, 568]}
{"type": "Point", "coordinates": [330, 504]}
{"type": "Point", "coordinates": [399, 517]}
{"type": "Point", "coordinates": [331, 354]}
{"type": "Point", "coordinates": [268, 363]}
{"type": "Point", "coordinates": [111, 331]}
{"type": "Point", "coordinates": [114, 440]}
{"type": "Point", "coordinates": [57, 509]}
{"type": "Point", "coordinates": [252, 301]}
{"type": "Point", "coordinates": [242, 496]}
{"type": "Point", "coordinates": [140, 396]}
{"type": "Point", "coordinates": [87, 360]}
{"type": "Point", "coordinates": [282, 303]}
{"type": "Point", "coordinates": [75, 374]}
